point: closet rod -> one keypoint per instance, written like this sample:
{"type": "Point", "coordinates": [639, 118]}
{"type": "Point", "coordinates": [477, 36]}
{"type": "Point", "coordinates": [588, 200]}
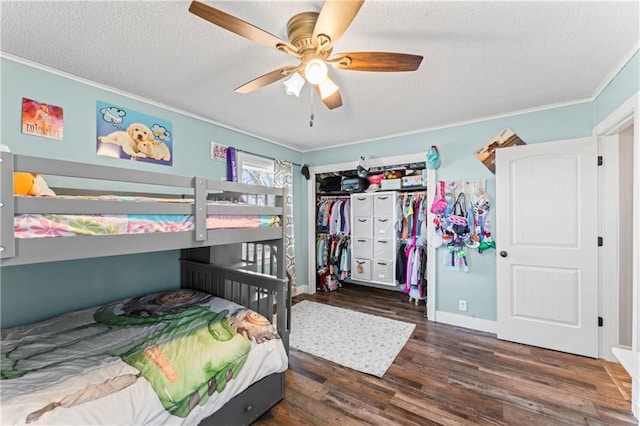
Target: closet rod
{"type": "Point", "coordinates": [332, 197]}
{"type": "Point", "coordinates": [412, 192]}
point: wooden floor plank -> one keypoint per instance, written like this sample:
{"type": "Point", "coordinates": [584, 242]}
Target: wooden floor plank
{"type": "Point", "coordinates": [448, 375]}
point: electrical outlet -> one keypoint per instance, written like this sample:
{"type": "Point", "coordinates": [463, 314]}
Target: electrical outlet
{"type": "Point", "coordinates": [462, 305]}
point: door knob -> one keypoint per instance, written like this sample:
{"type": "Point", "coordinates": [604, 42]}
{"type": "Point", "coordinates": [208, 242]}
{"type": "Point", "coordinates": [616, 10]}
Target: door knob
{"type": "Point", "coordinates": [503, 253]}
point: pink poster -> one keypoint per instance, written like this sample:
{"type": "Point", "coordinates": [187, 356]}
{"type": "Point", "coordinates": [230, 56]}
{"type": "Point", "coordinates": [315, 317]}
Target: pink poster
{"type": "Point", "coordinates": [40, 119]}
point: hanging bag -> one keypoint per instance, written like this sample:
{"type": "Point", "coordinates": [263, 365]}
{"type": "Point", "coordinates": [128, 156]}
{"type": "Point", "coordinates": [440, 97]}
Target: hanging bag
{"type": "Point", "coordinates": [457, 218]}
{"type": "Point", "coordinates": [439, 203]}
{"type": "Point", "coordinates": [433, 158]}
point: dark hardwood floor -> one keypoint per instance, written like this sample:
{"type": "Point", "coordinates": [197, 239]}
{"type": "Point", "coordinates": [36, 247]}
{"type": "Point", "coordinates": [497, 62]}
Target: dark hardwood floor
{"type": "Point", "coordinates": [447, 375]}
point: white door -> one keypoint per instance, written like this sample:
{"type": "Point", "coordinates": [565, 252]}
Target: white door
{"type": "Point", "coordinates": [547, 223]}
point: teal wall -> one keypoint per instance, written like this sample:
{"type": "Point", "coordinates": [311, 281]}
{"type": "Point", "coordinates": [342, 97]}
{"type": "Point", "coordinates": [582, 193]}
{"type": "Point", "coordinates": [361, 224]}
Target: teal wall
{"type": "Point", "coordinates": [30, 293]}
{"type": "Point", "coordinates": [123, 277]}
{"type": "Point", "coordinates": [457, 145]}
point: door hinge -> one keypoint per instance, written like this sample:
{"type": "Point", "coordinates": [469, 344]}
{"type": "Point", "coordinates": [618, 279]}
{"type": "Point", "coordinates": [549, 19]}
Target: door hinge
{"type": "Point", "coordinates": [600, 322]}
{"type": "Point", "coordinates": [600, 160]}
{"type": "Point", "coordinates": [600, 241]}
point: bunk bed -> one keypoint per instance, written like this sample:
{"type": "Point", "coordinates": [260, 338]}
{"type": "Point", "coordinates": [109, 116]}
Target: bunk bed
{"type": "Point", "coordinates": [233, 277]}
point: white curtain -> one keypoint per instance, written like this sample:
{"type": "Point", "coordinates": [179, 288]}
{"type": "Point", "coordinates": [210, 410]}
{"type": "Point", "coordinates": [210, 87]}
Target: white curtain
{"type": "Point", "coordinates": [283, 178]}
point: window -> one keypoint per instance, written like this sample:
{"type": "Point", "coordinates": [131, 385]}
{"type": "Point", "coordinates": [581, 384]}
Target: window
{"type": "Point", "coordinates": [255, 170]}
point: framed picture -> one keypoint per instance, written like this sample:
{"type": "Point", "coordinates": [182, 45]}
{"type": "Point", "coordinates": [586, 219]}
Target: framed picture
{"type": "Point", "coordinates": [487, 154]}
{"type": "Point", "coordinates": [127, 134]}
{"type": "Point", "coordinates": [218, 152]}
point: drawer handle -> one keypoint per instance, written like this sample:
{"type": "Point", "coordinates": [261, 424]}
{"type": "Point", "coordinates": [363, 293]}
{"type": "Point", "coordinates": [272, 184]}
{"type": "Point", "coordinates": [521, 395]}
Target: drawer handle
{"type": "Point", "coordinates": [361, 199]}
{"type": "Point", "coordinates": [382, 263]}
{"type": "Point", "coordinates": [360, 263]}
{"type": "Point", "coordinates": [383, 220]}
{"type": "Point", "coordinates": [362, 220]}
{"type": "Point", "coordinates": [382, 241]}
{"type": "Point", "coordinates": [362, 241]}
{"type": "Point", "coordinates": [382, 198]}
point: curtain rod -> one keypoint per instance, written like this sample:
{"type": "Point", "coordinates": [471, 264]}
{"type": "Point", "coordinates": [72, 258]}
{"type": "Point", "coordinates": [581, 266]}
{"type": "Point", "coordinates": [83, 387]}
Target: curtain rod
{"type": "Point", "coordinates": [264, 156]}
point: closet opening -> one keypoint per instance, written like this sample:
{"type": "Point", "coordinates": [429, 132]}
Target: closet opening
{"type": "Point", "coordinates": [360, 226]}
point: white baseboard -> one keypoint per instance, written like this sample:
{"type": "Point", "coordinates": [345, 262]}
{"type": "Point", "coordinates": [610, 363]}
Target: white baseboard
{"type": "Point", "coordinates": [299, 289]}
{"type": "Point", "coordinates": [467, 322]}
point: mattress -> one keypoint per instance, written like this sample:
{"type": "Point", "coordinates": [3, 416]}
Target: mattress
{"type": "Point", "coordinates": [66, 225]}
{"type": "Point", "coordinates": [166, 358]}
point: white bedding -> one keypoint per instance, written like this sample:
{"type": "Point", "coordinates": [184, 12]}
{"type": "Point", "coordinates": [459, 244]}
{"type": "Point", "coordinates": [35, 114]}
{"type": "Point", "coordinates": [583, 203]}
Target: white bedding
{"type": "Point", "coordinates": [69, 359]}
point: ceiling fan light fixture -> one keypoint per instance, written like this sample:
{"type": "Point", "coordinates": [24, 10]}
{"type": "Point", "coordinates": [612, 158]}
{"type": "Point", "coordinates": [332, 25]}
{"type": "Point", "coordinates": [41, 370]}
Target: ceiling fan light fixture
{"type": "Point", "coordinates": [315, 71]}
{"type": "Point", "coordinates": [327, 88]}
{"type": "Point", "coordinates": [311, 38]}
{"type": "Point", "coordinates": [293, 85]}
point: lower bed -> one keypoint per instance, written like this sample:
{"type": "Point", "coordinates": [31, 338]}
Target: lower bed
{"type": "Point", "coordinates": [166, 358]}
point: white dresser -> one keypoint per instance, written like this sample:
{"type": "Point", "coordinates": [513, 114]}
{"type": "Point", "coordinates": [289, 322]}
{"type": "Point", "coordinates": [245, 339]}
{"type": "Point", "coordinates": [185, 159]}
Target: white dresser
{"type": "Point", "coordinates": [373, 237]}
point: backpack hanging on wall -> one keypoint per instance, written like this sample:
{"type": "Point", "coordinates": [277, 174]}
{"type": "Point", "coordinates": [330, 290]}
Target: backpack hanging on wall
{"type": "Point", "coordinates": [433, 157]}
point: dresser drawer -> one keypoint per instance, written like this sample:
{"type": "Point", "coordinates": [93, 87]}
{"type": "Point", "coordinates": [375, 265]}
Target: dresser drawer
{"type": "Point", "coordinates": [383, 249]}
{"type": "Point", "coordinates": [361, 247]}
{"type": "Point", "coordinates": [361, 226]}
{"type": "Point", "coordinates": [383, 272]}
{"type": "Point", "coordinates": [361, 269]}
{"type": "Point", "coordinates": [383, 204]}
{"type": "Point", "coordinates": [383, 227]}
{"type": "Point", "coordinates": [361, 205]}
{"type": "Point", "coordinates": [255, 401]}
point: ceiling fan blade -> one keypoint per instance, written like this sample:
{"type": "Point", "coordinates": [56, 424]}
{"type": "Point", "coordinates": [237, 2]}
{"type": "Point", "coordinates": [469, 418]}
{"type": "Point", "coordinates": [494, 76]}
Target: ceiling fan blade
{"type": "Point", "coordinates": [334, 19]}
{"type": "Point", "coordinates": [266, 79]}
{"type": "Point", "coordinates": [376, 61]}
{"type": "Point", "coordinates": [333, 99]}
{"type": "Point", "coordinates": [238, 26]}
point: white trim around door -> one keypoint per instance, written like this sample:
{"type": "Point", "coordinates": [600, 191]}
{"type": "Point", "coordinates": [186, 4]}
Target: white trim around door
{"type": "Point", "coordinates": [624, 116]}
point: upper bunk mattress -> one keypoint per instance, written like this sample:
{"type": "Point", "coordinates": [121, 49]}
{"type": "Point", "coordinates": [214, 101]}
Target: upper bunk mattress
{"type": "Point", "coordinates": [64, 225]}
{"type": "Point", "coordinates": [166, 358]}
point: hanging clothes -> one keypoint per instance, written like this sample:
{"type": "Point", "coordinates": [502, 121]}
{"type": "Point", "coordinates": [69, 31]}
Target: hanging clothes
{"type": "Point", "coordinates": [411, 257]}
{"type": "Point", "coordinates": [333, 258]}
{"type": "Point", "coordinates": [333, 215]}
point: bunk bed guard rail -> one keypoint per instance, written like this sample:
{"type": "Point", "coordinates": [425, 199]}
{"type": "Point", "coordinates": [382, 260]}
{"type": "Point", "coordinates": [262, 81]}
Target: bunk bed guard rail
{"type": "Point", "coordinates": [265, 294]}
{"type": "Point", "coordinates": [14, 251]}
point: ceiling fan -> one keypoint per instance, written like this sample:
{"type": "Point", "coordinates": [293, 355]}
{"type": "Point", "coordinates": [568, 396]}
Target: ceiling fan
{"type": "Point", "coordinates": [311, 37]}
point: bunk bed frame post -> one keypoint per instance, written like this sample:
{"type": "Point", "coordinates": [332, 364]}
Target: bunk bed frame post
{"type": "Point", "coordinates": [281, 266]}
{"type": "Point", "coordinates": [200, 208]}
{"type": "Point", "coordinates": [7, 242]}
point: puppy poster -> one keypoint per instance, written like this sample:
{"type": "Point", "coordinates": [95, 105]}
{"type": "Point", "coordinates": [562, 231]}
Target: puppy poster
{"type": "Point", "coordinates": [487, 154]}
{"type": "Point", "coordinates": [41, 119]}
{"type": "Point", "coordinates": [131, 135]}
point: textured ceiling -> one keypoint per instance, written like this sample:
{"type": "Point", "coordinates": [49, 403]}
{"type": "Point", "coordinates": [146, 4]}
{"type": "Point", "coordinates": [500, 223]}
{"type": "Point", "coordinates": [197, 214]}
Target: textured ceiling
{"type": "Point", "coordinates": [480, 59]}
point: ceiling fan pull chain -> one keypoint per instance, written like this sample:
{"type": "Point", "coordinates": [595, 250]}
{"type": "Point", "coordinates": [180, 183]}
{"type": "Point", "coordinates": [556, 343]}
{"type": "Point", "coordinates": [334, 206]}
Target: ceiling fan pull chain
{"type": "Point", "coordinates": [311, 103]}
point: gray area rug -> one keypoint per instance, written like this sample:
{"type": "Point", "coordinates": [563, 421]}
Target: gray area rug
{"type": "Point", "coordinates": [363, 342]}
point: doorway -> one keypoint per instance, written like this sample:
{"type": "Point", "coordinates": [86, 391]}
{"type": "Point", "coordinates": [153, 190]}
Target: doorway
{"type": "Point", "coordinates": [622, 124]}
